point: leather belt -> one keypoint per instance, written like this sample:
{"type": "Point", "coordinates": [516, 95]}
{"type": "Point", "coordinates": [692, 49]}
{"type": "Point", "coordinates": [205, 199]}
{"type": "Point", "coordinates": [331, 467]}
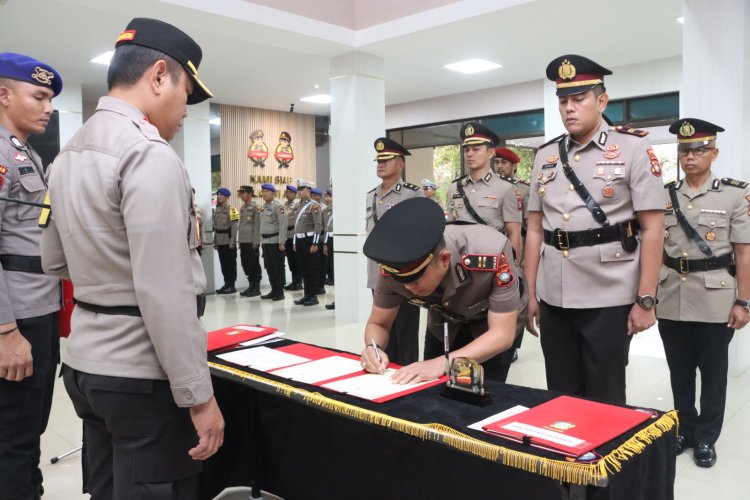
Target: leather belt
{"type": "Point", "coordinates": [223, 231]}
{"type": "Point", "coordinates": [565, 240]}
{"type": "Point", "coordinates": [305, 235]}
{"type": "Point", "coordinates": [269, 235]}
{"type": "Point", "coordinates": [200, 301]}
{"type": "Point", "coordinates": [684, 265]}
{"type": "Point", "coordinates": [21, 263]}
{"type": "Point", "coordinates": [290, 227]}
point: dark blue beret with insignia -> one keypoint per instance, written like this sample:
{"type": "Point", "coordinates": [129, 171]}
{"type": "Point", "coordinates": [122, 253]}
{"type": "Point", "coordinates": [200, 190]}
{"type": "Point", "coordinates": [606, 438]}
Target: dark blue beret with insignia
{"type": "Point", "coordinates": [316, 191]}
{"type": "Point", "coordinates": [291, 188]}
{"type": "Point", "coordinates": [268, 187]}
{"type": "Point", "coordinates": [224, 191]}
{"type": "Point", "coordinates": [29, 70]}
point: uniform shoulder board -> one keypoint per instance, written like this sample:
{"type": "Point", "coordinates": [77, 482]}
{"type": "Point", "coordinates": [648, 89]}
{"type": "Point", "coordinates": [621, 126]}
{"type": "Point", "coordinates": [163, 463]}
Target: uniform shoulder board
{"type": "Point", "coordinates": [624, 129]}
{"type": "Point", "coordinates": [234, 215]}
{"type": "Point", "coordinates": [457, 179]}
{"type": "Point", "coordinates": [411, 186]}
{"type": "Point", "coordinates": [734, 182]}
{"type": "Point", "coordinates": [481, 262]}
{"type": "Point", "coordinates": [556, 139]}
{"type": "Point", "coordinates": [506, 179]}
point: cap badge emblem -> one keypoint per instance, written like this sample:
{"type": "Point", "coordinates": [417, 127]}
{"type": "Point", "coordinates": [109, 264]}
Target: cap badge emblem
{"type": "Point", "coordinates": [687, 130]}
{"type": "Point", "coordinates": [380, 146]}
{"type": "Point", "coordinates": [43, 76]}
{"type": "Point", "coordinates": [469, 130]}
{"type": "Point", "coordinates": [566, 71]}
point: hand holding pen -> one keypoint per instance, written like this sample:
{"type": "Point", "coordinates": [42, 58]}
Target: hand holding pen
{"type": "Point", "coordinates": [374, 360]}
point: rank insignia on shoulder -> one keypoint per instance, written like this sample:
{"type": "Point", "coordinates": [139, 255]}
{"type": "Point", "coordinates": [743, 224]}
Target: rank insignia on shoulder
{"type": "Point", "coordinates": [655, 164]}
{"type": "Point", "coordinates": [734, 182]}
{"type": "Point", "coordinates": [481, 262]}
{"type": "Point", "coordinates": [624, 129]}
{"type": "Point", "coordinates": [411, 186]}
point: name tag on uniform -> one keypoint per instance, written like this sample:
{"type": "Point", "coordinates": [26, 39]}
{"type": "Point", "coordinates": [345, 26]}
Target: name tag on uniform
{"type": "Point", "coordinates": [549, 165]}
{"type": "Point", "coordinates": [25, 170]}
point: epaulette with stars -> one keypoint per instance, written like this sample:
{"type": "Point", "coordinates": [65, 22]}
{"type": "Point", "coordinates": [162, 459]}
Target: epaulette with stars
{"type": "Point", "coordinates": [507, 179]}
{"type": "Point", "coordinates": [411, 186]}
{"type": "Point", "coordinates": [624, 129]}
{"type": "Point", "coordinates": [552, 141]}
{"type": "Point", "coordinates": [734, 182]}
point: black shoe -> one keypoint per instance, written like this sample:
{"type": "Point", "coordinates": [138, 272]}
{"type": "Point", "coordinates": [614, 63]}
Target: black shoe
{"type": "Point", "coordinates": [328, 282]}
{"type": "Point", "coordinates": [320, 291]}
{"type": "Point", "coordinates": [704, 455]}
{"type": "Point", "coordinates": [301, 301]}
{"type": "Point", "coordinates": [292, 287]}
{"type": "Point", "coordinates": [681, 444]}
{"type": "Point", "coordinates": [269, 295]}
{"type": "Point", "coordinates": [221, 290]}
{"type": "Point", "coordinates": [331, 306]}
{"type": "Point", "coordinates": [255, 290]}
{"type": "Point", "coordinates": [312, 301]}
{"type": "Point", "coordinates": [226, 289]}
{"type": "Point", "coordinates": [246, 293]}
{"type": "Point", "coordinates": [278, 297]}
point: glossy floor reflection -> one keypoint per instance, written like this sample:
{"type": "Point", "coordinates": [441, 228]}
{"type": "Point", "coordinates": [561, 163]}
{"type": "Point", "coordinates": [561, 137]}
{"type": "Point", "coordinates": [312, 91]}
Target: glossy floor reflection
{"type": "Point", "coordinates": [648, 385]}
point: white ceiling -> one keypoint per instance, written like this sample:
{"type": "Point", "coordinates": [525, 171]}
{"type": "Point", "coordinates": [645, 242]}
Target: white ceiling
{"type": "Point", "coordinates": [260, 57]}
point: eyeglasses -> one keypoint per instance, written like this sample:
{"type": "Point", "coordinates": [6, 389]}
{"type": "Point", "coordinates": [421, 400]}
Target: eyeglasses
{"type": "Point", "coordinates": [697, 151]}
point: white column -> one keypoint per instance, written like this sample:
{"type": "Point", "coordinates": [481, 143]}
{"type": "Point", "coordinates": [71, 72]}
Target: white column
{"type": "Point", "coordinates": [553, 125]}
{"type": "Point", "coordinates": [715, 83]}
{"type": "Point", "coordinates": [357, 119]}
{"type": "Point", "coordinates": [193, 144]}
{"type": "Point", "coordinates": [69, 105]}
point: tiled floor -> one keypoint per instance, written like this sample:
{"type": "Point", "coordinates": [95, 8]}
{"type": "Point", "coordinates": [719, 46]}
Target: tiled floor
{"type": "Point", "coordinates": [648, 385]}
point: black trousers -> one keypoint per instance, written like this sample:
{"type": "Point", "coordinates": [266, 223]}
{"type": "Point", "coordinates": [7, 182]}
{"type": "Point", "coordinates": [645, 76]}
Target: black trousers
{"type": "Point", "coordinates": [403, 343]}
{"type": "Point", "coordinates": [228, 262]}
{"type": "Point", "coordinates": [495, 368]}
{"type": "Point", "coordinates": [273, 260]}
{"type": "Point", "coordinates": [586, 350]}
{"type": "Point", "coordinates": [323, 266]}
{"type": "Point", "coordinates": [291, 257]}
{"type": "Point", "coordinates": [309, 265]}
{"type": "Point", "coordinates": [329, 259]}
{"type": "Point", "coordinates": [25, 408]}
{"type": "Point", "coordinates": [250, 260]}
{"type": "Point", "coordinates": [705, 346]}
{"type": "Point", "coordinates": [137, 438]}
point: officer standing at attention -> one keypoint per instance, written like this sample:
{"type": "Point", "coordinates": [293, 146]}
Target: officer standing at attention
{"type": "Point", "coordinates": [135, 364]}
{"type": "Point", "coordinates": [248, 237]}
{"type": "Point", "coordinates": [701, 303]}
{"type": "Point", "coordinates": [225, 219]}
{"type": "Point", "coordinates": [308, 235]}
{"type": "Point", "coordinates": [290, 206]}
{"type": "Point", "coordinates": [328, 238]}
{"type": "Point", "coordinates": [29, 300]}
{"type": "Point", "coordinates": [481, 196]}
{"type": "Point", "coordinates": [273, 224]}
{"type": "Point", "coordinates": [317, 195]}
{"type": "Point", "coordinates": [403, 347]}
{"type": "Point", "coordinates": [594, 238]}
{"type": "Point", "coordinates": [463, 274]}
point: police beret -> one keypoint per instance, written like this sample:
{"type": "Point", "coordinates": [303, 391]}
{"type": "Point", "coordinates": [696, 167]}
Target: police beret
{"type": "Point", "coordinates": [224, 191]}
{"type": "Point", "coordinates": [285, 136]}
{"type": "Point", "coordinates": [404, 239]}
{"type": "Point", "coordinates": [694, 133]}
{"type": "Point", "coordinates": [268, 187]}
{"type": "Point", "coordinates": [172, 41]}
{"type": "Point", "coordinates": [476, 133]}
{"type": "Point", "coordinates": [291, 188]}
{"type": "Point", "coordinates": [316, 191]}
{"type": "Point", "coordinates": [29, 70]}
{"type": "Point", "coordinates": [246, 189]}
{"type": "Point", "coordinates": [427, 183]}
{"type": "Point", "coordinates": [575, 74]}
{"type": "Point", "coordinates": [507, 154]}
{"type": "Point", "coordinates": [329, 192]}
{"type": "Point", "coordinates": [388, 148]}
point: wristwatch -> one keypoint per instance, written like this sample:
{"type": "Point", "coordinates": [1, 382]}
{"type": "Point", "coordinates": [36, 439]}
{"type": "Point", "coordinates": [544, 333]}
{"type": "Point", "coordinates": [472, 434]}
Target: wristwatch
{"type": "Point", "coordinates": [646, 301]}
{"type": "Point", "coordinates": [743, 303]}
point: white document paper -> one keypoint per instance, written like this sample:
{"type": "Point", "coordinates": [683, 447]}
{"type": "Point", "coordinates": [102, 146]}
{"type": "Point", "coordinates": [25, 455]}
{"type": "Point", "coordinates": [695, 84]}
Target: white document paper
{"type": "Point", "coordinates": [477, 426]}
{"type": "Point", "coordinates": [320, 370]}
{"type": "Point", "coordinates": [371, 385]}
{"type": "Point", "coordinates": [261, 340]}
{"type": "Point", "coordinates": [538, 432]}
{"type": "Point", "coordinates": [262, 358]}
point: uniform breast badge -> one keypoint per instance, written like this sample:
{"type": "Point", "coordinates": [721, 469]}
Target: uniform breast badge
{"type": "Point", "coordinates": [711, 235]}
{"type": "Point", "coordinates": [608, 191]}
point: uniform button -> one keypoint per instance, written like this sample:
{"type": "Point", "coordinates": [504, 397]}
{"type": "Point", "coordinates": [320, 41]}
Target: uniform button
{"type": "Point", "coordinates": [609, 177]}
{"type": "Point", "coordinates": [566, 217]}
{"type": "Point", "coordinates": [188, 394]}
{"type": "Point", "coordinates": [473, 190]}
{"type": "Point", "coordinates": [690, 207]}
{"type": "Point", "coordinates": [446, 303]}
{"type": "Point", "coordinates": [467, 262]}
{"type": "Point", "coordinates": [713, 223]}
{"type": "Point", "coordinates": [571, 188]}
{"type": "Point", "coordinates": [577, 157]}
{"type": "Point", "coordinates": [684, 254]}
{"type": "Point", "coordinates": [566, 253]}
{"type": "Point", "coordinates": [381, 202]}
{"type": "Point", "coordinates": [723, 284]}
{"type": "Point", "coordinates": [683, 279]}
{"type": "Point", "coordinates": [617, 255]}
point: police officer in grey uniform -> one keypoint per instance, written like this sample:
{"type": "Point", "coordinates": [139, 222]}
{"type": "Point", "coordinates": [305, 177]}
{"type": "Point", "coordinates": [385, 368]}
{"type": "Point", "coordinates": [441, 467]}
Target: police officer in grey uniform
{"type": "Point", "coordinates": [704, 285]}
{"type": "Point", "coordinates": [290, 206]}
{"type": "Point", "coordinates": [594, 238]}
{"type": "Point", "coordinates": [29, 300]}
{"type": "Point", "coordinates": [464, 275]}
{"type": "Point", "coordinates": [225, 219]}
{"type": "Point", "coordinates": [317, 195]}
{"type": "Point", "coordinates": [403, 347]}
{"type": "Point", "coordinates": [328, 236]}
{"type": "Point", "coordinates": [248, 237]}
{"type": "Point", "coordinates": [273, 224]}
{"type": "Point", "coordinates": [308, 236]}
{"type": "Point", "coordinates": [481, 196]}
{"type": "Point", "coordinates": [135, 363]}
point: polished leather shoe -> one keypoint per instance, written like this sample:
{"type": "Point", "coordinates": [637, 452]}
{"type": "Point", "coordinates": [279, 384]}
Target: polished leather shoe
{"type": "Point", "coordinates": [293, 287]}
{"type": "Point", "coordinates": [331, 306]}
{"type": "Point", "coordinates": [269, 295]}
{"type": "Point", "coordinates": [276, 298]}
{"type": "Point", "coordinates": [226, 290]}
{"type": "Point", "coordinates": [312, 301]}
{"type": "Point", "coordinates": [221, 290]}
{"type": "Point", "coordinates": [301, 301]}
{"type": "Point", "coordinates": [246, 293]}
{"type": "Point", "coordinates": [320, 291]}
{"type": "Point", "coordinates": [704, 455]}
{"type": "Point", "coordinates": [682, 444]}
{"type": "Point", "coordinates": [328, 282]}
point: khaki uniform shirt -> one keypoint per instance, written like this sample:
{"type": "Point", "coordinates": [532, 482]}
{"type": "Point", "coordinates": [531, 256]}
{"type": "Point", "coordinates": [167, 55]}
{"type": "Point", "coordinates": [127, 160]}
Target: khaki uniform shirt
{"type": "Point", "coordinates": [273, 223]}
{"type": "Point", "coordinates": [309, 220]}
{"type": "Point", "coordinates": [225, 219]}
{"type": "Point", "coordinates": [105, 187]}
{"type": "Point", "coordinates": [600, 275]}
{"type": "Point", "coordinates": [492, 197]}
{"type": "Point", "coordinates": [469, 294]}
{"type": "Point", "coordinates": [22, 295]}
{"type": "Point", "coordinates": [719, 213]}
{"type": "Point", "coordinates": [328, 222]}
{"type": "Point", "coordinates": [249, 225]}
{"type": "Point", "coordinates": [378, 203]}
{"type": "Point", "coordinates": [291, 210]}
{"type": "Point", "coordinates": [524, 189]}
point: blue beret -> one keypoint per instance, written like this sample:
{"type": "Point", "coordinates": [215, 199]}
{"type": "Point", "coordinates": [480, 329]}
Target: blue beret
{"type": "Point", "coordinates": [329, 192]}
{"type": "Point", "coordinates": [224, 191]}
{"type": "Point", "coordinates": [29, 70]}
{"type": "Point", "coordinates": [268, 187]}
{"type": "Point", "coordinates": [291, 188]}
{"type": "Point", "coordinates": [316, 191]}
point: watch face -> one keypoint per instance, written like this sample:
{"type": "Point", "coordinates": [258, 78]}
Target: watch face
{"type": "Point", "coordinates": [647, 301]}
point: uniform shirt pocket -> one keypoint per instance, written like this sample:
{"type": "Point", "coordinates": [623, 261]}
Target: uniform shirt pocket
{"type": "Point", "coordinates": [32, 191]}
{"type": "Point", "coordinates": [721, 279]}
{"type": "Point", "coordinates": [613, 252]}
{"type": "Point", "coordinates": [488, 203]}
{"type": "Point", "coordinates": [670, 226]}
{"type": "Point", "coordinates": [713, 223]}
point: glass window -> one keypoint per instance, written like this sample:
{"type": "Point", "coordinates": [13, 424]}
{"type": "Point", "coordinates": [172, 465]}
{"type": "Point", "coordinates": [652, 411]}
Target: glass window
{"type": "Point", "coordinates": [517, 124]}
{"type": "Point", "coordinates": [654, 108]}
{"type": "Point", "coordinates": [616, 112]}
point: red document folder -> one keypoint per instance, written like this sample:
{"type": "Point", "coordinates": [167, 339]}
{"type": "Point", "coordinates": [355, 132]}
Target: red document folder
{"type": "Point", "coordinates": [225, 337]}
{"type": "Point", "coordinates": [568, 425]}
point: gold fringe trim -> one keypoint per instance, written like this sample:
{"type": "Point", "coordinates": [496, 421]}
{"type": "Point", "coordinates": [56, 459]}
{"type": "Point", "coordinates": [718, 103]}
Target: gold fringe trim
{"type": "Point", "coordinates": [560, 470]}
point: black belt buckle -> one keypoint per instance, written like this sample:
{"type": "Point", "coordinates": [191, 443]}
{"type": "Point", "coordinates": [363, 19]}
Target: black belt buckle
{"type": "Point", "coordinates": [684, 265]}
{"type": "Point", "coordinates": [562, 241]}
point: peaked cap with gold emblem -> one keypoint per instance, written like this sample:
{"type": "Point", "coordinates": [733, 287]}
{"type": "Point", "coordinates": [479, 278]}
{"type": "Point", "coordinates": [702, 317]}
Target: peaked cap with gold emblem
{"type": "Point", "coordinates": [476, 133]}
{"type": "Point", "coordinates": [29, 70]}
{"type": "Point", "coordinates": [388, 148]}
{"type": "Point", "coordinates": [575, 74]}
{"type": "Point", "coordinates": [694, 133]}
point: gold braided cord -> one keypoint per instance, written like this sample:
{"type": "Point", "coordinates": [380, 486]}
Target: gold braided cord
{"type": "Point", "coordinates": [561, 470]}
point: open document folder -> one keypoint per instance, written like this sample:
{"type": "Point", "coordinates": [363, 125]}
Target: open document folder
{"type": "Point", "coordinates": [225, 337]}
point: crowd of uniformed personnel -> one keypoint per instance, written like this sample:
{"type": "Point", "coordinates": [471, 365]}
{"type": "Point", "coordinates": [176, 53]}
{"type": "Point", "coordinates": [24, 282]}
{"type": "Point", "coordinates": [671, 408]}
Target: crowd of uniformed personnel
{"type": "Point", "coordinates": [588, 253]}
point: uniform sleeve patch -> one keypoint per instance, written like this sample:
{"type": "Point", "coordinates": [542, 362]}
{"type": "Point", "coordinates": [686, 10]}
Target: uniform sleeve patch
{"type": "Point", "coordinates": [315, 209]}
{"type": "Point", "coordinates": [504, 274]}
{"type": "Point", "coordinates": [3, 170]}
{"type": "Point", "coordinates": [234, 215]}
{"type": "Point", "coordinates": [655, 165]}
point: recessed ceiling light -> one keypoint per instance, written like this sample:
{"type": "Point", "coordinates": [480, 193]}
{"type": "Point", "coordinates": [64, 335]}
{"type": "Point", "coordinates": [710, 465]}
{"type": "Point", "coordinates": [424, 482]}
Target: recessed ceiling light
{"type": "Point", "coordinates": [680, 20]}
{"type": "Point", "coordinates": [214, 121]}
{"type": "Point", "coordinates": [317, 86]}
{"type": "Point", "coordinates": [471, 66]}
{"type": "Point", "coordinates": [104, 58]}
{"type": "Point", "coordinates": [317, 99]}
